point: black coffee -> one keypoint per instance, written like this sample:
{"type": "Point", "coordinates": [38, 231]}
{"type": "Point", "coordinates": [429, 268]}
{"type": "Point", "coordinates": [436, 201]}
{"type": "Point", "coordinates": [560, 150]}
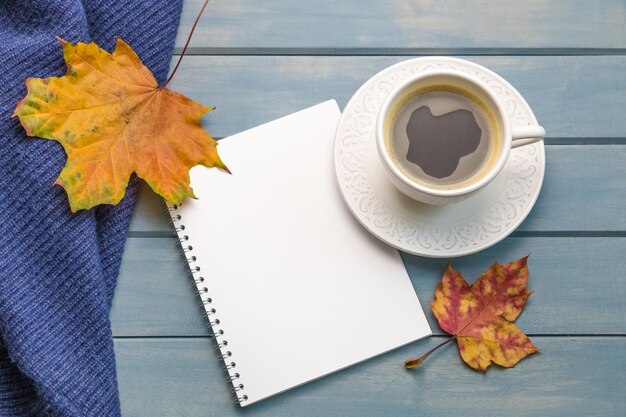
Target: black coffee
{"type": "Point", "coordinates": [442, 137]}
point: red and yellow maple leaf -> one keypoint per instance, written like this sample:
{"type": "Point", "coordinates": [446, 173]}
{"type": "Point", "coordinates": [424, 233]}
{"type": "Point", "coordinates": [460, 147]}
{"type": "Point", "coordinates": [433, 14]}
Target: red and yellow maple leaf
{"type": "Point", "coordinates": [481, 315]}
{"type": "Point", "coordinates": [112, 119]}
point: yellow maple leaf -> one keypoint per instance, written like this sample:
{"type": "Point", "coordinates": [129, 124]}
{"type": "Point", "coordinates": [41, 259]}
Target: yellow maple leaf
{"type": "Point", "coordinates": [113, 119]}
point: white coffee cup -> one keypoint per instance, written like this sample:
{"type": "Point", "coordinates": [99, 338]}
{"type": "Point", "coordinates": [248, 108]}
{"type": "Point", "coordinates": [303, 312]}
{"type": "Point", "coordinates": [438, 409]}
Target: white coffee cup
{"type": "Point", "coordinates": [508, 136]}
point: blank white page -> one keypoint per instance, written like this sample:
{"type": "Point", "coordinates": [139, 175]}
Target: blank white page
{"type": "Point", "coordinates": [300, 289]}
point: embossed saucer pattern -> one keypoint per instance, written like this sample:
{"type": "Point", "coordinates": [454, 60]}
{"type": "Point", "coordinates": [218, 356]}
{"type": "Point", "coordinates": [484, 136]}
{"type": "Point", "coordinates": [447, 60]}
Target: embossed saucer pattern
{"type": "Point", "coordinates": [446, 231]}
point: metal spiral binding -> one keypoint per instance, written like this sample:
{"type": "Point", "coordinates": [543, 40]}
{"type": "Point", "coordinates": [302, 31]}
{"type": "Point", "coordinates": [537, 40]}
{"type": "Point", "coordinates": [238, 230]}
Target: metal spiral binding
{"type": "Point", "coordinates": [217, 334]}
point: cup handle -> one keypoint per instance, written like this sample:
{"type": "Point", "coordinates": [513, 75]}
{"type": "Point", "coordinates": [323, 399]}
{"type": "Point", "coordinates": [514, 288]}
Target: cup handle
{"type": "Point", "coordinates": [526, 135]}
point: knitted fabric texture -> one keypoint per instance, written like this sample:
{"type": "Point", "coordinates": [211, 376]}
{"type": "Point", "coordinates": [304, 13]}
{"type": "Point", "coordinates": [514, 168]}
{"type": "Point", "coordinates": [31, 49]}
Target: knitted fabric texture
{"type": "Point", "coordinates": [57, 269]}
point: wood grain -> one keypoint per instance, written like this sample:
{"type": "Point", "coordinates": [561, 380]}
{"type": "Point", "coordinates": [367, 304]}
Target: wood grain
{"type": "Point", "coordinates": [579, 194]}
{"type": "Point", "coordinates": [415, 26]}
{"type": "Point", "coordinates": [251, 90]}
{"type": "Point", "coordinates": [581, 376]}
{"type": "Point", "coordinates": [257, 61]}
{"type": "Point", "coordinates": [574, 290]}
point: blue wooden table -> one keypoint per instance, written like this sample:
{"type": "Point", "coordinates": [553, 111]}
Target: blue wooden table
{"type": "Point", "coordinates": [257, 61]}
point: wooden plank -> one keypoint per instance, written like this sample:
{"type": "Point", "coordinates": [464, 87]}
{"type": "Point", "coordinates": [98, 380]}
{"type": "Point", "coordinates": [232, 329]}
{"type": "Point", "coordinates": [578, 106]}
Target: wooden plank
{"type": "Point", "coordinates": [576, 290]}
{"type": "Point", "coordinates": [251, 90]}
{"type": "Point", "coordinates": [150, 214]}
{"type": "Point", "coordinates": [155, 296]}
{"type": "Point", "coordinates": [369, 26]}
{"type": "Point", "coordinates": [577, 179]}
{"type": "Point", "coordinates": [281, 85]}
{"type": "Point", "coordinates": [572, 376]}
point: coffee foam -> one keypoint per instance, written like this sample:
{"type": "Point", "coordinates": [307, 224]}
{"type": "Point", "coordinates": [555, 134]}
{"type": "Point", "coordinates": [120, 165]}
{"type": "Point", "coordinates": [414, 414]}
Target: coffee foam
{"type": "Point", "coordinates": [494, 137]}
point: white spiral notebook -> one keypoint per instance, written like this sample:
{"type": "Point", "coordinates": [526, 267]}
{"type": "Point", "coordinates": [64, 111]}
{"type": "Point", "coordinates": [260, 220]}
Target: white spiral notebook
{"type": "Point", "coordinates": [293, 286]}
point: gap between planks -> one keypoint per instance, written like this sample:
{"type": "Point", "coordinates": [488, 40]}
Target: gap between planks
{"type": "Point", "coordinates": [525, 234]}
{"type": "Point", "coordinates": [286, 51]}
{"type": "Point", "coordinates": [436, 336]}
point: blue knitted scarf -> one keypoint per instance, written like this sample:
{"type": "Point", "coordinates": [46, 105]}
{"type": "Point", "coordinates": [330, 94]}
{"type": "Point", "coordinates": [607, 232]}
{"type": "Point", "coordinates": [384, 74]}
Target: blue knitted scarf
{"type": "Point", "coordinates": [58, 270]}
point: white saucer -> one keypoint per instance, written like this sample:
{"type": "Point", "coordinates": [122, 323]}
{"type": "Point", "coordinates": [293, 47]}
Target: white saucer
{"type": "Point", "coordinates": [434, 231]}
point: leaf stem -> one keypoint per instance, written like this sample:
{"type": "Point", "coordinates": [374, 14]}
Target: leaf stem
{"type": "Point", "coordinates": [412, 363]}
{"type": "Point", "coordinates": [182, 54]}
